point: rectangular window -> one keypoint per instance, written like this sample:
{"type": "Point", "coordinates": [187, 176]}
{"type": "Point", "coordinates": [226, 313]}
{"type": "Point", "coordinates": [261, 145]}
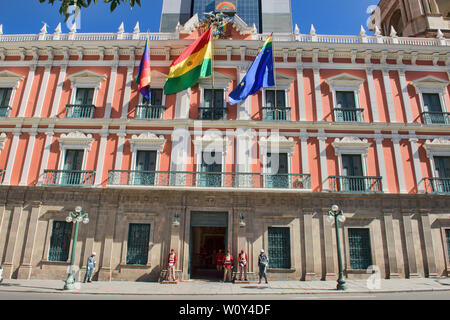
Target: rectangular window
{"type": "Point", "coordinates": [279, 248]}
{"type": "Point", "coordinates": [442, 165]}
{"type": "Point", "coordinates": [84, 96]}
{"type": "Point", "coordinates": [213, 105]}
{"type": "Point", "coordinates": [447, 235]}
{"type": "Point", "coordinates": [156, 98]}
{"type": "Point", "coordinates": [278, 170]}
{"type": "Point", "coordinates": [5, 96]}
{"type": "Point", "coordinates": [359, 247]}
{"type": "Point", "coordinates": [346, 107]}
{"type": "Point", "coordinates": [432, 102]}
{"type": "Point", "coordinates": [211, 169]}
{"type": "Point", "coordinates": [280, 101]}
{"type": "Point", "coordinates": [60, 241]}
{"type": "Point", "coordinates": [352, 173]}
{"type": "Point", "coordinates": [73, 163]}
{"type": "Point", "coordinates": [145, 168]}
{"type": "Point", "coordinates": [138, 244]}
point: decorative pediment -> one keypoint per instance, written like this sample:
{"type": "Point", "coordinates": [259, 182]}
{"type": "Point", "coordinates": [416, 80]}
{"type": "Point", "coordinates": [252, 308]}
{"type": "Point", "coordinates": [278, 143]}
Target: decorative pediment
{"type": "Point", "coordinates": [76, 139]}
{"type": "Point", "coordinates": [345, 80]}
{"type": "Point", "coordinates": [9, 79]}
{"type": "Point", "coordinates": [351, 145]}
{"type": "Point", "coordinates": [149, 140]}
{"type": "Point", "coordinates": [429, 82]}
{"type": "Point", "coordinates": [86, 79]}
{"type": "Point", "coordinates": [158, 78]}
{"type": "Point", "coordinates": [211, 140]}
{"type": "Point", "coordinates": [439, 146]}
{"type": "Point", "coordinates": [277, 143]}
{"type": "Point", "coordinates": [3, 138]}
{"type": "Point", "coordinates": [220, 80]}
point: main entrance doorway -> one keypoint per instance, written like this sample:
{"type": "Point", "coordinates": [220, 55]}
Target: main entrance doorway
{"type": "Point", "coordinates": [208, 236]}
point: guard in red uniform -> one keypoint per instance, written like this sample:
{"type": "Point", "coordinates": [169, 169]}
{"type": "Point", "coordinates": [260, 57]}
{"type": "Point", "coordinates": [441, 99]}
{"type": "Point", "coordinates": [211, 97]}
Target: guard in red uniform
{"type": "Point", "coordinates": [227, 266]}
{"type": "Point", "coordinates": [243, 260]}
{"type": "Point", "coordinates": [219, 260]}
{"type": "Point", "coordinates": [171, 261]}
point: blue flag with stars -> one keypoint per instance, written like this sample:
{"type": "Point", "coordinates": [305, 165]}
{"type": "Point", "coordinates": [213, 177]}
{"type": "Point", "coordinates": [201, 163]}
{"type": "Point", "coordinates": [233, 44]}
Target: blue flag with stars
{"type": "Point", "coordinates": [260, 75]}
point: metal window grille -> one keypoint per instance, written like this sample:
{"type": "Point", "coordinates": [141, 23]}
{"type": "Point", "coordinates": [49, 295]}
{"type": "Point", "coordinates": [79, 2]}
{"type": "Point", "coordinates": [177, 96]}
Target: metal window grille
{"type": "Point", "coordinates": [60, 241]}
{"type": "Point", "coordinates": [359, 245]}
{"type": "Point", "coordinates": [137, 246]}
{"type": "Point", "coordinates": [279, 248]}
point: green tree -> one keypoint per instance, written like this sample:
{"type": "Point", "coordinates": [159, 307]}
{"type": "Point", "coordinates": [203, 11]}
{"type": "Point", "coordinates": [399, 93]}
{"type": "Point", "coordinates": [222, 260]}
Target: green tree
{"type": "Point", "coordinates": [65, 4]}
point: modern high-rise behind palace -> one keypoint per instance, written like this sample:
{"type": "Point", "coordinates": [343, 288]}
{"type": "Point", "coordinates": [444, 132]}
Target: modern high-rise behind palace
{"type": "Point", "coordinates": [361, 121]}
{"type": "Point", "coordinates": [267, 15]}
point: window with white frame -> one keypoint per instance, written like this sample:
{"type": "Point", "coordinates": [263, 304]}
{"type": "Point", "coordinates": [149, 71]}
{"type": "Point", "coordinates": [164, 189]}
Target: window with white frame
{"type": "Point", "coordinates": [276, 101]}
{"type": "Point", "coordinates": [152, 108]}
{"type": "Point", "coordinates": [431, 92]}
{"type": "Point", "coordinates": [438, 151]}
{"type": "Point", "coordinates": [85, 85]}
{"type": "Point", "coordinates": [9, 82]}
{"type": "Point", "coordinates": [213, 104]}
{"type": "Point", "coordinates": [346, 106]}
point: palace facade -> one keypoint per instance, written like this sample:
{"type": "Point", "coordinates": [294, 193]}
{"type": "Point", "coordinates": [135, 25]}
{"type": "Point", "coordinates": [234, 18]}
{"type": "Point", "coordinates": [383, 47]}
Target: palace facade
{"type": "Point", "coordinates": [358, 121]}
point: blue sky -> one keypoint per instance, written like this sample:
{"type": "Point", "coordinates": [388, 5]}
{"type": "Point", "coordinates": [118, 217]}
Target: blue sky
{"type": "Point", "coordinates": [27, 16]}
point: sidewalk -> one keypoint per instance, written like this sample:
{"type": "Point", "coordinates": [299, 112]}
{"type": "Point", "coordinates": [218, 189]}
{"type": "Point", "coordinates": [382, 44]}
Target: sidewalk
{"type": "Point", "coordinates": [186, 289]}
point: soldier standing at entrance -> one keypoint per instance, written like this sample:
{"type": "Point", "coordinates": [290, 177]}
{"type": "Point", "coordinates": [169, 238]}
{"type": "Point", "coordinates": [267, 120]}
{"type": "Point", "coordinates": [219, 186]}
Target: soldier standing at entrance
{"type": "Point", "coordinates": [172, 260]}
{"type": "Point", "coordinates": [219, 260]}
{"type": "Point", "coordinates": [263, 261]}
{"type": "Point", "coordinates": [227, 265]}
{"type": "Point", "coordinates": [243, 259]}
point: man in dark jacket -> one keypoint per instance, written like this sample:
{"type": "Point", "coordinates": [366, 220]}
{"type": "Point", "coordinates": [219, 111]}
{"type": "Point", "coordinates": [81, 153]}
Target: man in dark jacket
{"type": "Point", "coordinates": [263, 262]}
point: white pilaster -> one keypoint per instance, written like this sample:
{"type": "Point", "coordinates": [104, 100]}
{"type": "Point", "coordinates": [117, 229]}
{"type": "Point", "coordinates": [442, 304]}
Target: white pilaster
{"type": "Point", "coordinates": [101, 157]}
{"type": "Point", "coordinates": [59, 87]}
{"type": "Point", "coordinates": [304, 150]}
{"type": "Point", "coordinates": [323, 160]}
{"type": "Point", "coordinates": [28, 156]}
{"type": "Point", "coordinates": [372, 96]}
{"type": "Point", "coordinates": [416, 161]}
{"type": "Point", "coordinates": [111, 91]}
{"type": "Point", "coordinates": [405, 96]}
{"type": "Point", "coordinates": [120, 145]}
{"type": "Point", "coordinates": [301, 95]}
{"type": "Point", "coordinates": [42, 92]}
{"type": "Point", "coordinates": [399, 165]}
{"type": "Point", "coordinates": [127, 96]}
{"type": "Point", "coordinates": [318, 94]}
{"type": "Point", "coordinates": [180, 148]}
{"type": "Point", "coordinates": [45, 155]}
{"type": "Point", "coordinates": [244, 108]}
{"type": "Point", "coordinates": [381, 162]}
{"type": "Point", "coordinates": [389, 98]}
{"type": "Point", "coordinates": [27, 91]}
{"type": "Point", "coordinates": [12, 156]}
{"type": "Point", "coordinates": [182, 104]}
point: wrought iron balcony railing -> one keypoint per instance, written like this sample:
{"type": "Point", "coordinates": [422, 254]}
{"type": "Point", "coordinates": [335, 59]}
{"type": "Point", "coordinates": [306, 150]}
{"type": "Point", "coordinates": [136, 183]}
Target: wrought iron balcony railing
{"type": "Point", "coordinates": [4, 111]}
{"type": "Point", "coordinates": [145, 111]}
{"type": "Point", "coordinates": [84, 111]}
{"type": "Point", "coordinates": [68, 178]}
{"type": "Point", "coordinates": [276, 114]}
{"type": "Point", "coordinates": [348, 115]}
{"type": "Point", "coordinates": [206, 113]}
{"type": "Point", "coordinates": [436, 117]}
{"type": "Point", "coordinates": [437, 185]}
{"type": "Point", "coordinates": [355, 184]}
{"type": "Point", "coordinates": [208, 179]}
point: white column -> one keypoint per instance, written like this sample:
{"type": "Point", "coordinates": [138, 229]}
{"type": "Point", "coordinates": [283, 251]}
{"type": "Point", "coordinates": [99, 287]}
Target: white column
{"type": "Point", "coordinates": [381, 162]}
{"type": "Point", "coordinates": [127, 95]}
{"type": "Point", "coordinates": [405, 96]}
{"type": "Point", "coordinates": [12, 156]}
{"type": "Point", "coordinates": [244, 108]}
{"type": "Point", "coordinates": [323, 162]}
{"type": "Point", "coordinates": [372, 96]}
{"type": "Point", "coordinates": [399, 165]}
{"type": "Point", "coordinates": [28, 156]}
{"type": "Point", "coordinates": [120, 145]}
{"type": "Point", "coordinates": [182, 104]}
{"type": "Point", "coordinates": [389, 98]}
{"type": "Point", "coordinates": [27, 91]}
{"type": "Point", "coordinates": [101, 158]}
{"type": "Point", "coordinates": [301, 95]}
{"type": "Point", "coordinates": [111, 91]}
{"type": "Point", "coordinates": [304, 150]}
{"type": "Point", "coordinates": [416, 161]}
{"type": "Point", "coordinates": [45, 155]}
{"type": "Point", "coordinates": [180, 150]}
{"type": "Point", "coordinates": [59, 87]}
{"type": "Point", "coordinates": [42, 92]}
{"type": "Point", "coordinates": [318, 94]}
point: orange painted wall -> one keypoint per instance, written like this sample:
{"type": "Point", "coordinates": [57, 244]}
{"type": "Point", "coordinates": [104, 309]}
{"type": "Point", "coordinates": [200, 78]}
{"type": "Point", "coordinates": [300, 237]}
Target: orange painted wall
{"type": "Point", "coordinates": [38, 151]}
{"type": "Point", "coordinates": [391, 172]}
{"type": "Point", "coordinates": [310, 102]}
{"type": "Point", "coordinates": [383, 111]}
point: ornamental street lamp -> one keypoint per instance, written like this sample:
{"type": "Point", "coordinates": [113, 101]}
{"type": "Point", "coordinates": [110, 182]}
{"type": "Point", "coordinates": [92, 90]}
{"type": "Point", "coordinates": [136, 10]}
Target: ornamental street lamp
{"type": "Point", "coordinates": [338, 216]}
{"type": "Point", "coordinates": [75, 217]}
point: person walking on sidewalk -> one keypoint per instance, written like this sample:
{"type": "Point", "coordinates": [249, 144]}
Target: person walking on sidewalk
{"type": "Point", "coordinates": [243, 258]}
{"type": "Point", "coordinates": [172, 261]}
{"type": "Point", "coordinates": [227, 266]}
{"type": "Point", "coordinates": [91, 264]}
{"type": "Point", "coordinates": [263, 262]}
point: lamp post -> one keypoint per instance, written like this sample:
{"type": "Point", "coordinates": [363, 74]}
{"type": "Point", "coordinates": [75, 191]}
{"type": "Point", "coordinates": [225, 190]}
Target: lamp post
{"type": "Point", "coordinates": [75, 217]}
{"type": "Point", "coordinates": [338, 216]}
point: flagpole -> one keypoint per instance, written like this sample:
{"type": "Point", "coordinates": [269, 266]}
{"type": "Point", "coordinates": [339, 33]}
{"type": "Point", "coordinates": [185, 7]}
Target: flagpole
{"type": "Point", "coordinates": [274, 77]}
{"type": "Point", "coordinates": [212, 67]}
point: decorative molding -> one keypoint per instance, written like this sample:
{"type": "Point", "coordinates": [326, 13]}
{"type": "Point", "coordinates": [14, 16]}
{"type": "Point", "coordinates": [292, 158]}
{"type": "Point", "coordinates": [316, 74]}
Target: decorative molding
{"type": "Point", "coordinates": [211, 140]}
{"type": "Point", "coordinates": [10, 79]}
{"type": "Point", "coordinates": [147, 139]}
{"type": "Point", "coordinates": [277, 143]}
{"type": "Point", "coordinates": [3, 138]}
{"type": "Point", "coordinates": [439, 146]}
{"type": "Point", "coordinates": [430, 82]}
{"type": "Point", "coordinates": [86, 78]}
{"type": "Point", "coordinates": [76, 139]}
{"type": "Point", "coordinates": [351, 144]}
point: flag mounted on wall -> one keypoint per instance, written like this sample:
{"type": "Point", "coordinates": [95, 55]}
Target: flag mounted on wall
{"type": "Point", "coordinates": [144, 74]}
{"type": "Point", "coordinates": [260, 75]}
{"type": "Point", "coordinates": [193, 63]}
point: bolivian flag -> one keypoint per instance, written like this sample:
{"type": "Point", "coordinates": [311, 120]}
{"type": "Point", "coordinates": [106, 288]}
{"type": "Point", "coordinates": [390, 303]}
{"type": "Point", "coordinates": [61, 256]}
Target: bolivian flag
{"type": "Point", "coordinates": [193, 63]}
